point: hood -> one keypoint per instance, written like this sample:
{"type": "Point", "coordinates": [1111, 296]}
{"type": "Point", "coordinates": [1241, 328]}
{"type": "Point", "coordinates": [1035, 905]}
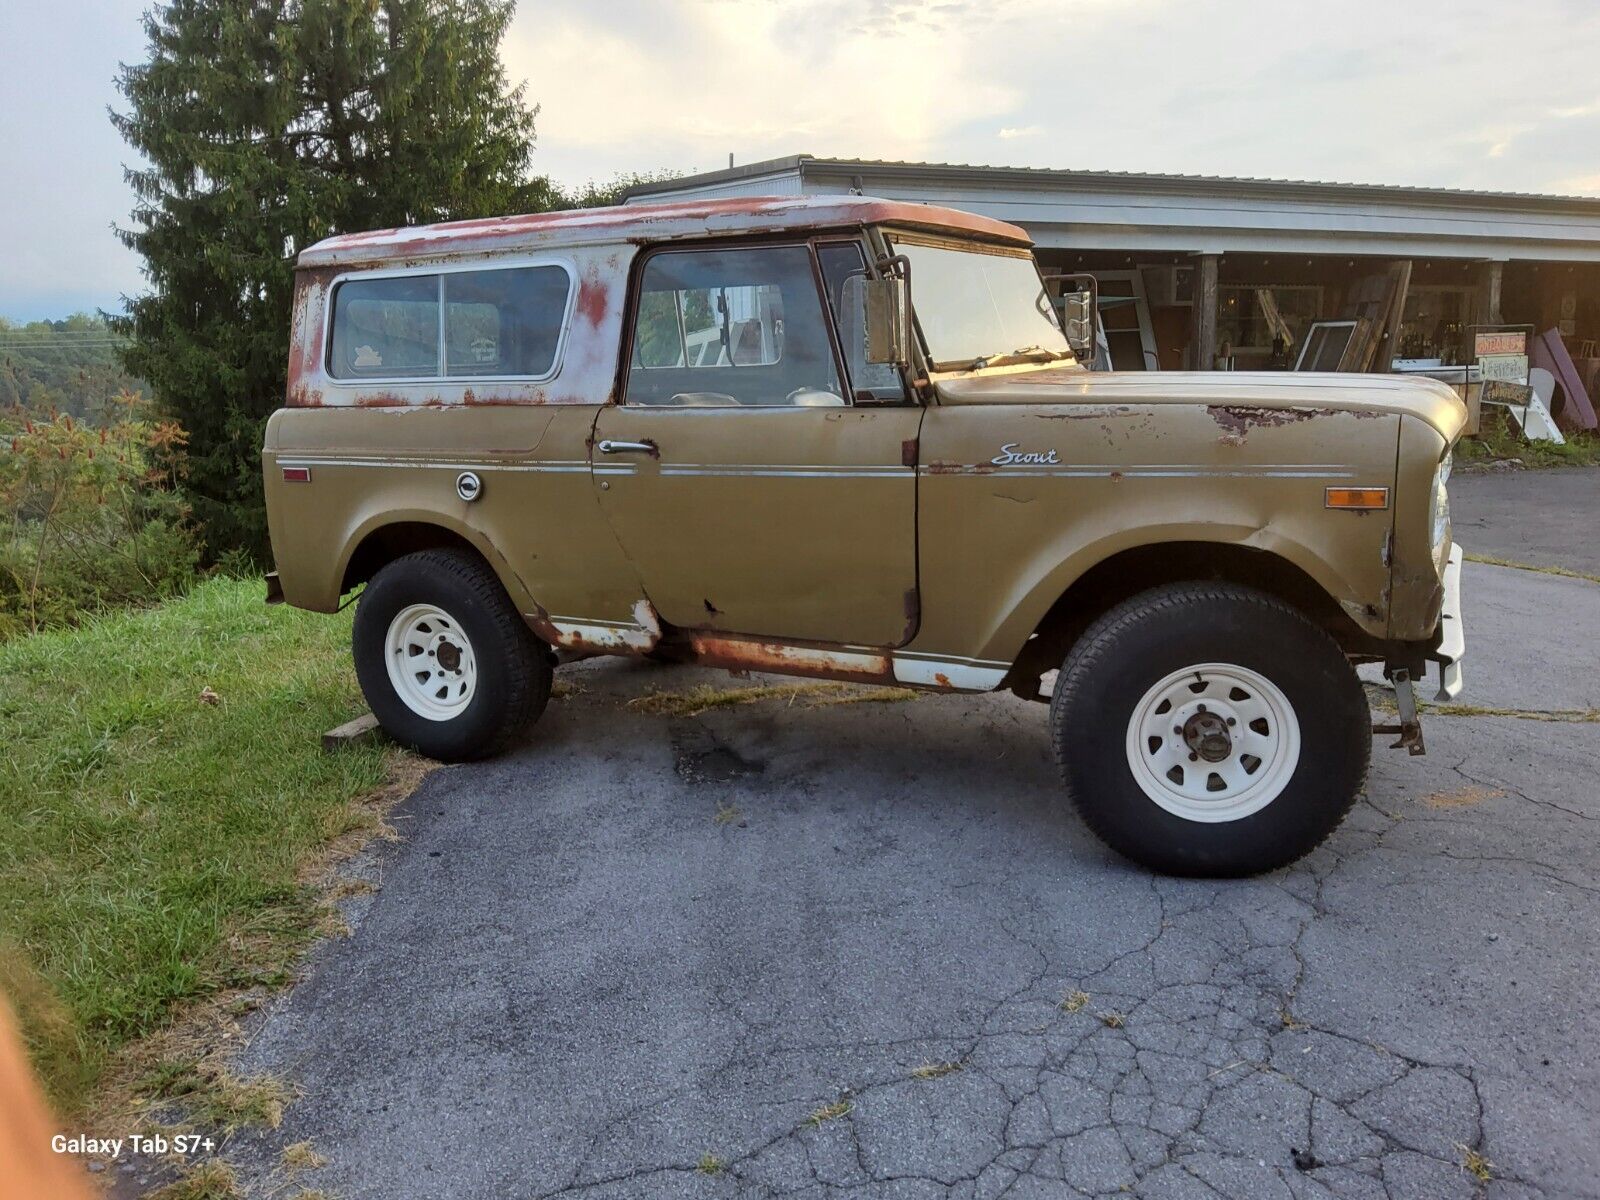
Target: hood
{"type": "Point", "coordinates": [1426, 399]}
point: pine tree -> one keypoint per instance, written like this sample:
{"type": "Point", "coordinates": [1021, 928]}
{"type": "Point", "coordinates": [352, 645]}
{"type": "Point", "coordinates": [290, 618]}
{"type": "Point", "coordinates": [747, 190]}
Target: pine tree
{"type": "Point", "coordinates": [266, 125]}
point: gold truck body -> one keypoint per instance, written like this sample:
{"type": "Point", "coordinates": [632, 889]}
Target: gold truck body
{"type": "Point", "coordinates": [957, 536]}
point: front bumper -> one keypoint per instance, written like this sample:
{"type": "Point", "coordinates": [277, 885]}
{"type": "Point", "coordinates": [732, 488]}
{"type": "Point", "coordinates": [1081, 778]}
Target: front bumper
{"type": "Point", "coordinates": [1452, 647]}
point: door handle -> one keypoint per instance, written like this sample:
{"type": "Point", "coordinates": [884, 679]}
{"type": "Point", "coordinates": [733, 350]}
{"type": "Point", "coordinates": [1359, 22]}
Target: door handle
{"type": "Point", "coordinates": [607, 446]}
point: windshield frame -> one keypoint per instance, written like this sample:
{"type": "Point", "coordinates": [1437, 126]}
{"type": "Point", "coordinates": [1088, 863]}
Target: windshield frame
{"type": "Point", "coordinates": [1002, 359]}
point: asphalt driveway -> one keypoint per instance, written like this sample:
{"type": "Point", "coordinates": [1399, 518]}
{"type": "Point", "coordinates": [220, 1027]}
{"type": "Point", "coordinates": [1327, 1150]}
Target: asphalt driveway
{"type": "Point", "coordinates": [803, 948]}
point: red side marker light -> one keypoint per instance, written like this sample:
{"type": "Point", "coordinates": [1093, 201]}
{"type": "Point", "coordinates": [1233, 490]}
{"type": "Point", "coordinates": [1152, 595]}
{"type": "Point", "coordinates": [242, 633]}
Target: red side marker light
{"type": "Point", "coordinates": [297, 474]}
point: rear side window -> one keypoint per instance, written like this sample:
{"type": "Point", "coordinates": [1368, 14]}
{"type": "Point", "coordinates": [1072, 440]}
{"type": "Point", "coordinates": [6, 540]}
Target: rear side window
{"type": "Point", "coordinates": [502, 323]}
{"type": "Point", "coordinates": [386, 328]}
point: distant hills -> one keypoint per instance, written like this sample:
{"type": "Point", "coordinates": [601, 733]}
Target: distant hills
{"type": "Point", "coordinates": [69, 365]}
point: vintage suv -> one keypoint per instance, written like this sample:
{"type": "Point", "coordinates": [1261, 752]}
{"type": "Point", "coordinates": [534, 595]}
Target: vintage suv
{"type": "Point", "coordinates": [848, 438]}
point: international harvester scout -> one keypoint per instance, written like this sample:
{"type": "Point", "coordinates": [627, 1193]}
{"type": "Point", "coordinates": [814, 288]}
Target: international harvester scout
{"type": "Point", "coordinates": [852, 439]}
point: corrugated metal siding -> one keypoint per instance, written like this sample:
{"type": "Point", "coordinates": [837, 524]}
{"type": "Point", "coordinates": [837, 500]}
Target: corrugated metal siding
{"type": "Point", "coordinates": [1105, 217]}
{"type": "Point", "coordinates": [783, 183]}
{"type": "Point", "coordinates": [1107, 211]}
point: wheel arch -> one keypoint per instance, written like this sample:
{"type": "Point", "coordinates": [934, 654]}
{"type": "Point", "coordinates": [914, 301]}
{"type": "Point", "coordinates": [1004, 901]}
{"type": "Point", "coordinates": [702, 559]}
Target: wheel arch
{"type": "Point", "coordinates": [1134, 569]}
{"type": "Point", "coordinates": [392, 535]}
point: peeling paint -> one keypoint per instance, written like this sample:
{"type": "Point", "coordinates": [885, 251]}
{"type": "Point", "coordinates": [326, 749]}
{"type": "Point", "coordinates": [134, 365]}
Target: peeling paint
{"type": "Point", "coordinates": [644, 223]}
{"type": "Point", "coordinates": [1239, 419]}
{"type": "Point", "coordinates": [592, 298]}
{"type": "Point", "coordinates": [585, 373]}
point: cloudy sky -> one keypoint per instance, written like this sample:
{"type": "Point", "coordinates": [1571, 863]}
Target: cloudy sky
{"type": "Point", "coordinates": [1429, 92]}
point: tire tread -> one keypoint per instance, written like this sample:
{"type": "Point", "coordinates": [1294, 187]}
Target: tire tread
{"type": "Point", "coordinates": [1092, 653]}
{"type": "Point", "coordinates": [529, 677]}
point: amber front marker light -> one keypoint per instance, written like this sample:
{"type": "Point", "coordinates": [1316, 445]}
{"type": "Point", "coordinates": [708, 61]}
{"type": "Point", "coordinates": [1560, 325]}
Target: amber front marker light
{"type": "Point", "coordinates": [297, 474]}
{"type": "Point", "coordinates": [1357, 498]}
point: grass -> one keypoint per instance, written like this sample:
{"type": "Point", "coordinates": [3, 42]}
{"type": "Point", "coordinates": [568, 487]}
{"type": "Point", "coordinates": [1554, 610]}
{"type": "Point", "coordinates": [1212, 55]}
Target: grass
{"type": "Point", "coordinates": [212, 1180]}
{"type": "Point", "coordinates": [1384, 702]}
{"type": "Point", "coordinates": [935, 1070]}
{"type": "Point", "coordinates": [1578, 715]}
{"type": "Point", "coordinates": [1074, 1001]}
{"type": "Point", "coordinates": [215, 1097]}
{"type": "Point", "coordinates": [153, 844]}
{"type": "Point", "coordinates": [1113, 1020]}
{"type": "Point", "coordinates": [710, 1164]}
{"type": "Point", "coordinates": [302, 1156]}
{"type": "Point", "coordinates": [704, 697]}
{"type": "Point", "coordinates": [830, 1112]}
{"type": "Point", "coordinates": [1476, 1164]}
{"type": "Point", "coordinates": [1499, 439]}
{"type": "Point", "coordinates": [1564, 572]}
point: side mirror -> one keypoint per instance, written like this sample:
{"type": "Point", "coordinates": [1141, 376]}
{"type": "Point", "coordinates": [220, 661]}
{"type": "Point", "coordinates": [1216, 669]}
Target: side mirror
{"type": "Point", "coordinates": [887, 308]}
{"type": "Point", "coordinates": [1078, 322]}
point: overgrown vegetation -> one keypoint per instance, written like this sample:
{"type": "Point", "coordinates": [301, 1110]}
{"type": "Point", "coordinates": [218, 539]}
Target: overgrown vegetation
{"type": "Point", "coordinates": [90, 516]}
{"type": "Point", "coordinates": [162, 789]}
{"type": "Point", "coordinates": [1499, 440]}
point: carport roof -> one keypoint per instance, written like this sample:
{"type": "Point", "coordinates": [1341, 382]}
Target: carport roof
{"type": "Point", "coordinates": [1118, 210]}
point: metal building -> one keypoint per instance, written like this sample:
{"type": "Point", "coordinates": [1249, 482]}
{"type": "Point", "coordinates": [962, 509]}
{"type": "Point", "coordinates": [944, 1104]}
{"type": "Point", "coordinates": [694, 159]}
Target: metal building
{"type": "Point", "coordinates": [1203, 272]}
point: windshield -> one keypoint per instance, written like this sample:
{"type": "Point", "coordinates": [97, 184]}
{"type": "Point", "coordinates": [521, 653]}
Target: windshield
{"type": "Point", "coordinates": [980, 309]}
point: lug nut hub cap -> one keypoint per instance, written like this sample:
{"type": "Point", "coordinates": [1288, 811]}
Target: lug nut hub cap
{"type": "Point", "coordinates": [1213, 742]}
{"type": "Point", "coordinates": [430, 661]}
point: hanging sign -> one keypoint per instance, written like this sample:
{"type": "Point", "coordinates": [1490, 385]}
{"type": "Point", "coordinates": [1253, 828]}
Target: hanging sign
{"type": "Point", "coordinates": [1496, 391]}
{"type": "Point", "coordinates": [1499, 343]}
{"type": "Point", "coordinates": [1504, 368]}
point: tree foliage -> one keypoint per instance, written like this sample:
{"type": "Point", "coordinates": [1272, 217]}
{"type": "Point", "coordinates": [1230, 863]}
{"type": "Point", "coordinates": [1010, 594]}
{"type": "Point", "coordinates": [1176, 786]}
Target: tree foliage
{"type": "Point", "coordinates": [264, 126]}
{"type": "Point", "coordinates": [598, 195]}
{"type": "Point", "coordinates": [69, 366]}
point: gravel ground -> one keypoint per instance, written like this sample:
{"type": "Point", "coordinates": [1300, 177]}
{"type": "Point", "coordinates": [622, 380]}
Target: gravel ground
{"type": "Point", "coordinates": [804, 949]}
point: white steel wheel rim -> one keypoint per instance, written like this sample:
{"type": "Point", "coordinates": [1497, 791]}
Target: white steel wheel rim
{"type": "Point", "coordinates": [431, 664]}
{"type": "Point", "coordinates": [1213, 742]}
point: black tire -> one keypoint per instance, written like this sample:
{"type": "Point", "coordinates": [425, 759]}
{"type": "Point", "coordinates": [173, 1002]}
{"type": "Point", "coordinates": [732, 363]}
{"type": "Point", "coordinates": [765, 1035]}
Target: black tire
{"type": "Point", "coordinates": [1134, 647]}
{"type": "Point", "coordinates": [513, 670]}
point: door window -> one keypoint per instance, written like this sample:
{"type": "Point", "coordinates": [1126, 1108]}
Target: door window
{"type": "Point", "coordinates": [731, 327]}
{"type": "Point", "coordinates": [841, 262]}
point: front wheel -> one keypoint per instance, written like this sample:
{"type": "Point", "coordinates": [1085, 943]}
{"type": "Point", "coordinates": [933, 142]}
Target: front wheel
{"type": "Point", "coordinates": [444, 659]}
{"type": "Point", "coordinates": [1210, 729]}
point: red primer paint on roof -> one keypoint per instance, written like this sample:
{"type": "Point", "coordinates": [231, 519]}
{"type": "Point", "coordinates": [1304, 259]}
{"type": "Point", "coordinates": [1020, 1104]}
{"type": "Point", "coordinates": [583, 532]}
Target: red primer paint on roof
{"type": "Point", "coordinates": [650, 222]}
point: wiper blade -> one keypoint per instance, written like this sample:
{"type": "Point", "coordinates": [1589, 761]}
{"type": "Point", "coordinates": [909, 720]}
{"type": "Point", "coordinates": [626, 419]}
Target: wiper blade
{"type": "Point", "coordinates": [1026, 354]}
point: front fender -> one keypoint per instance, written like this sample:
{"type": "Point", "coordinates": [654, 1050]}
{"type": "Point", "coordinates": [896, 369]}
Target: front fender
{"type": "Point", "coordinates": [1063, 562]}
{"type": "Point", "coordinates": [1002, 537]}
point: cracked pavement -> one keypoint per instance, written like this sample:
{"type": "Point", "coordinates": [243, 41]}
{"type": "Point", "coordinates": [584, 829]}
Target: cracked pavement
{"type": "Point", "coordinates": [578, 979]}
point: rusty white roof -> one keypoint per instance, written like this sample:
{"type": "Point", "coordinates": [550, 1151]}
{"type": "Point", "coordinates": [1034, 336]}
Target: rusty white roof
{"type": "Point", "coordinates": [647, 223]}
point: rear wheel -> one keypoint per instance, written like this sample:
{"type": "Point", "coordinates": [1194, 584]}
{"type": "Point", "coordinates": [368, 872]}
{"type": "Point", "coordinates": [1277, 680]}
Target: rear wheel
{"type": "Point", "coordinates": [1210, 729]}
{"type": "Point", "coordinates": [445, 661]}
